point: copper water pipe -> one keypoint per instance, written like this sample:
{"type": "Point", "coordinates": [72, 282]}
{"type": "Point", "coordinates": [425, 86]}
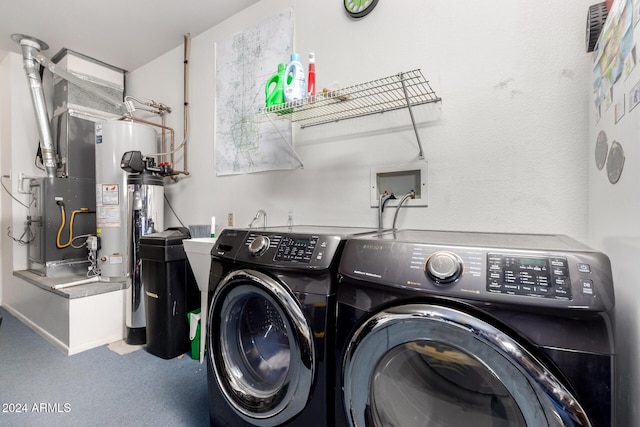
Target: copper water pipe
{"type": "Point", "coordinates": [171, 131]}
{"type": "Point", "coordinates": [183, 146]}
{"type": "Point", "coordinates": [187, 46]}
{"type": "Point", "coordinates": [163, 139]}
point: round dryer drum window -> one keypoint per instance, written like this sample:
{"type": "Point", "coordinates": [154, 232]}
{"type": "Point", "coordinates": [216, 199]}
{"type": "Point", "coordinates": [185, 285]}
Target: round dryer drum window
{"type": "Point", "coordinates": [430, 383]}
{"type": "Point", "coordinates": [430, 365]}
{"type": "Point", "coordinates": [261, 348]}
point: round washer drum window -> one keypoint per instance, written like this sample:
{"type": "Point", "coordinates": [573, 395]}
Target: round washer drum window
{"type": "Point", "coordinates": [260, 347]}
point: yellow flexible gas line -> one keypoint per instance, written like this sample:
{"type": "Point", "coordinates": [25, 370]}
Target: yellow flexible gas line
{"type": "Point", "coordinates": [62, 224]}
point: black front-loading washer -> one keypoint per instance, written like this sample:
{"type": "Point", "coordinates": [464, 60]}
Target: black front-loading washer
{"type": "Point", "coordinates": [452, 328]}
{"type": "Point", "coordinates": [270, 335]}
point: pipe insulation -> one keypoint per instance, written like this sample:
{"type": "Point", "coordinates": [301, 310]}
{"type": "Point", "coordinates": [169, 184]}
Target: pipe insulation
{"type": "Point", "coordinates": [81, 83]}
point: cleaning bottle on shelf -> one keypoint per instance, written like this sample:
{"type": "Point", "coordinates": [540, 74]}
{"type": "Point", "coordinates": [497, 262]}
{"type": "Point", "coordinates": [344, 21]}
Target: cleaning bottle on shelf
{"type": "Point", "coordinates": [274, 90]}
{"type": "Point", "coordinates": [311, 80]}
{"type": "Point", "coordinates": [295, 85]}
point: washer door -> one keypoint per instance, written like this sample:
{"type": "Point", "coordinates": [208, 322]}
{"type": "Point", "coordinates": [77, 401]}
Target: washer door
{"type": "Point", "coordinates": [260, 347]}
{"type": "Point", "coordinates": [430, 365]}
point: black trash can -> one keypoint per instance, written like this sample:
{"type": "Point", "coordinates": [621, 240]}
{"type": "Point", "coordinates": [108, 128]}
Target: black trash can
{"type": "Point", "coordinates": [170, 291]}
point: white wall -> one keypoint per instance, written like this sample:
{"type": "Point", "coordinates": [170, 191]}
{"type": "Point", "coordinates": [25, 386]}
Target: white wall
{"type": "Point", "coordinates": [18, 144]}
{"type": "Point", "coordinates": [507, 153]}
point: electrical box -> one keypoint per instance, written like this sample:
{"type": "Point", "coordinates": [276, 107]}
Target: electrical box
{"type": "Point", "coordinates": [399, 180]}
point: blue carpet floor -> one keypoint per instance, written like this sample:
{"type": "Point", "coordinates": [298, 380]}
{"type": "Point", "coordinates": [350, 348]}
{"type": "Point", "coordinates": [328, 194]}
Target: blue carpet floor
{"type": "Point", "coordinates": [41, 386]}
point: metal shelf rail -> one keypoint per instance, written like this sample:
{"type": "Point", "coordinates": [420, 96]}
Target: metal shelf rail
{"type": "Point", "coordinates": [403, 90]}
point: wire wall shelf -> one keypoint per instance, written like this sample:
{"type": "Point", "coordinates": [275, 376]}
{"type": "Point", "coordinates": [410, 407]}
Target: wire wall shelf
{"type": "Point", "coordinates": [402, 90]}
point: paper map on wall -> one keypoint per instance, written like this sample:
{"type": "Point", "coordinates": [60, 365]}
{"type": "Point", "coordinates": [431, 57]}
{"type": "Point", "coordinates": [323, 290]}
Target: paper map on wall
{"type": "Point", "coordinates": [245, 141]}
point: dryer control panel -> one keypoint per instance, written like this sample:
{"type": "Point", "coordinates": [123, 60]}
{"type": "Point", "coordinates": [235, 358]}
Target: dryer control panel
{"type": "Point", "coordinates": [534, 270]}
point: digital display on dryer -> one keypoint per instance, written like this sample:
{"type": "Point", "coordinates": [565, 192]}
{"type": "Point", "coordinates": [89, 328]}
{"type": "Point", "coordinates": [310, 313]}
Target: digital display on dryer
{"type": "Point", "coordinates": [546, 277]}
{"type": "Point", "coordinates": [534, 263]}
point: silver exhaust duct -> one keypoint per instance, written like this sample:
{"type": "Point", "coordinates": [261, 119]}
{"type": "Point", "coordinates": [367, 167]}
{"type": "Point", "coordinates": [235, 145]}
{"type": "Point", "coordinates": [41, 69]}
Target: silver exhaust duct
{"type": "Point", "coordinates": [32, 56]}
{"type": "Point", "coordinates": [30, 47]}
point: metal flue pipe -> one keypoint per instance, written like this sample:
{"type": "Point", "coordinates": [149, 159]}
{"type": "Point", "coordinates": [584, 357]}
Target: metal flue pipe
{"type": "Point", "coordinates": [30, 48]}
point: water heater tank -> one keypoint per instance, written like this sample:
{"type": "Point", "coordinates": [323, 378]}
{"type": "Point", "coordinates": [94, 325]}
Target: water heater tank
{"type": "Point", "coordinates": [113, 139]}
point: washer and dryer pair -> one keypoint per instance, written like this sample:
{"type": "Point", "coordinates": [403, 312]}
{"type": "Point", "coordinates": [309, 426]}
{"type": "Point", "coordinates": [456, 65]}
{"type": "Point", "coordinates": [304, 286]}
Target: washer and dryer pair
{"type": "Point", "coordinates": [347, 326]}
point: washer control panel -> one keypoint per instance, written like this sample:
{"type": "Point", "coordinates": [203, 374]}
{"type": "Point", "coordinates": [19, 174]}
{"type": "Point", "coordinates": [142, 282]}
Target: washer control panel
{"type": "Point", "coordinates": [286, 248]}
{"type": "Point", "coordinates": [298, 248]}
{"type": "Point", "coordinates": [276, 248]}
{"type": "Point", "coordinates": [303, 247]}
{"type": "Point", "coordinates": [547, 277]}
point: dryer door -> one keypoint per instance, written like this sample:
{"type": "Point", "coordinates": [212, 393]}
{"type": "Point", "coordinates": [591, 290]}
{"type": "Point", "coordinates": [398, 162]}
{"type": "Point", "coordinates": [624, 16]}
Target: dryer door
{"type": "Point", "coordinates": [430, 365]}
{"type": "Point", "coordinates": [260, 347]}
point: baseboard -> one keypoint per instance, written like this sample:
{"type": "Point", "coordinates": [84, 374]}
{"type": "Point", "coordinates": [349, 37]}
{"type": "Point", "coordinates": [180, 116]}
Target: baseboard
{"type": "Point", "coordinates": [97, 343]}
{"type": "Point", "coordinates": [43, 333]}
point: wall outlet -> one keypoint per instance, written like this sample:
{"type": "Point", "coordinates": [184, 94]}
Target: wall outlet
{"type": "Point", "coordinates": [231, 220]}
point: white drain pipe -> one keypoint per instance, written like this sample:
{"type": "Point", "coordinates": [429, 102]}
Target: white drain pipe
{"type": "Point", "coordinates": [77, 282]}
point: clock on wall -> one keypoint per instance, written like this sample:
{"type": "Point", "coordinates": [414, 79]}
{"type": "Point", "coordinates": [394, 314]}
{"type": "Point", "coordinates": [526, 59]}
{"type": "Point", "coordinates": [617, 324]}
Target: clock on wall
{"type": "Point", "coordinates": [359, 8]}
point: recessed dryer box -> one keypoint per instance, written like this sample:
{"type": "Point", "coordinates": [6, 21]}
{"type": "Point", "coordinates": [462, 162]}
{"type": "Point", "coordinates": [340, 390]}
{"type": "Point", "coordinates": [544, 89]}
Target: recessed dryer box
{"type": "Point", "coordinates": [399, 180]}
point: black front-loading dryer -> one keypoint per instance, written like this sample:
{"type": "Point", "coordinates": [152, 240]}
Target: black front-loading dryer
{"type": "Point", "coordinates": [270, 336]}
{"type": "Point", "coordinates": [456, 329]}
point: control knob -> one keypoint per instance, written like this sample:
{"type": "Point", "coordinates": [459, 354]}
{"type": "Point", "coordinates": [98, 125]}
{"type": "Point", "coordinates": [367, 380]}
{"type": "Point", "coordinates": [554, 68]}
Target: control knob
{"type": "Point", "coordinates": [443, 267]}
{"type": "Point", "coordinates": [259, 245]}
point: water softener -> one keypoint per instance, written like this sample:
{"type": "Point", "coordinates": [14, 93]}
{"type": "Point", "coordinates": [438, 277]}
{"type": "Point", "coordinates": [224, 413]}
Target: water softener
{"type": "Point", "coordinates": [145, 201]}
